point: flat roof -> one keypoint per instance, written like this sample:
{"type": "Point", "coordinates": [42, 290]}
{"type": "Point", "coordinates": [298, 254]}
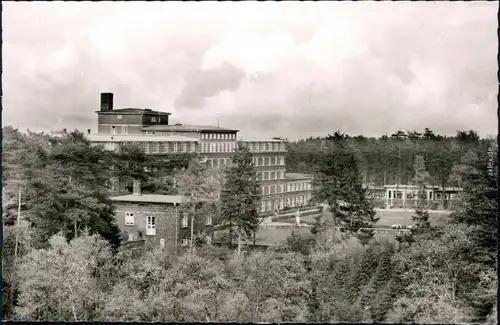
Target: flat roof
{"type": "Point", "coordinates": [150, 198]}
{"type": "Point", "coordinates": [292, 176]}
{"type": "Point", "coordinates": [140, 138]}
{"type": "Point", "coordinates": [126, 111]}
{"type": "Point", "coordinates": [187, 128]}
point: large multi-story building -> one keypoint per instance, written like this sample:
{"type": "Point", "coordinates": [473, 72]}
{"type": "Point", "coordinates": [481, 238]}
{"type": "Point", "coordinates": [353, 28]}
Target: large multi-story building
{"type": "Point", "coordinates": [150, 129]}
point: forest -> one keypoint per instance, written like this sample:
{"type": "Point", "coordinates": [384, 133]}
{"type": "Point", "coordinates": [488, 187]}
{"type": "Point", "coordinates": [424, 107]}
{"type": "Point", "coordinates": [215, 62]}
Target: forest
{"type": "Point", "coordinates": [64, 259]}
{"type": "Point", "coordinates": [390, 159]}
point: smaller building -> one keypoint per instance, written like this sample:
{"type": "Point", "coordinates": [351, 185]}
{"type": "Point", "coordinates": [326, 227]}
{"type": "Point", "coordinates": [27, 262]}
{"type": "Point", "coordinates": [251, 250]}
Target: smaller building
{"type": "Point", "coordinates": [406, 196]}
{"type": "Point", "coordinates": [156, 219]}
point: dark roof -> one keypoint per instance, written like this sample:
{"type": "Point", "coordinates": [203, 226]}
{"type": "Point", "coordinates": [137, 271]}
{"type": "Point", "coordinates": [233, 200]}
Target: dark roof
{"type": "Point", "coordinates": [134, 111]}
{"type": "Point", "coordinates": [186, 128]}
{"type": "Point", "coordinates": [149, 198]}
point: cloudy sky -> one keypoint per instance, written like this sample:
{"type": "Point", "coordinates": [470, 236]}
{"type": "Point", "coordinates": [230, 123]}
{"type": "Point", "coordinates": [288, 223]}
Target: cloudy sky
{"type": "Point", "coordinates": [268, 69]}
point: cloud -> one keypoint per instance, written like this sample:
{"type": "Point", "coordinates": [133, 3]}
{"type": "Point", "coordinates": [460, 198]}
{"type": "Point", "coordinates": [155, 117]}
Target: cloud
{"type": "Point", "coordinates": [288, 69]}
{"type": "Point", "coordinates": [204, 84]}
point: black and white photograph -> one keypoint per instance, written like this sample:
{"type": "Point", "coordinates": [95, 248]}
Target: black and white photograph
{"type": "Point", "coordinates": [250, 162]}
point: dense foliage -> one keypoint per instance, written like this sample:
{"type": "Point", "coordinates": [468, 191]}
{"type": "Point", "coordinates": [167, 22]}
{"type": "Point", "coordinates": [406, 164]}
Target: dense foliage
{"type": "Point", "coordinates": [338, 183]}
{"type": "Point", "coordinates": [51, 272]}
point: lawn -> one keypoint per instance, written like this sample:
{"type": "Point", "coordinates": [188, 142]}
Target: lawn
{"type": "Point", "coordinates": [388, 218]}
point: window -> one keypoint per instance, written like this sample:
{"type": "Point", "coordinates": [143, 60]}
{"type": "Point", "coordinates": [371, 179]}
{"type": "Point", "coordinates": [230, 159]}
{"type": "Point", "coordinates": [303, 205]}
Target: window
{"type": "Point", "coordinates": [273, 146]}
{"type": "Point", "coordinates": [154, 147]}
{"type": "Point", "coordinates": [162, 243]}
{"type": "Point", "coordinates": [209, 220]}
{"type": "Point", "coordinates": [145, 147]}
{"type": "Point", "coordinates": [259, 176]}
{"type": "Point", "coordinates": [266, 176]}
{"type": "Point", "coordinates": [266, 161]}
{"type": "Point", "coordinates": [185, 242]}
{"type": "Point", "coordinates": [150, 226]}
{"type": "Point", "coordinates": [273, 161]}
{"type": "Point", "coordinates": [273, 189]}
{"type": "Point", "coordinates": [130, 236]}
{"type": "Point", "coordinates": [113, 129]}
{"type": "Point", "coordinates": [184, 222]}
{"type": "Point", "coordinates": [261, 162]}
{"type": "Point", "coordinates": [124, 129]}
{"type": "Point", "coordinates": [273, 175]}
{"type": "Point", "coordinates": [208, 240]}
{"type": "Point", "coordinates": [129, 219]}
{"type": "Point", "coordinates": [262, 206]}
{"type": "Point", "coordinates": [267, 146]}
{"type": "Point", "coordinates": [254, 146]}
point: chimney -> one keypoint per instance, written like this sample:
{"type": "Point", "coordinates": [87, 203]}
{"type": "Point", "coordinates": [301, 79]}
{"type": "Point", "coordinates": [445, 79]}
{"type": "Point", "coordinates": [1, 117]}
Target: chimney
{"type": "Point", "coordinates": [136, 187]}
{"type": "Point", "coordinates": [106, 102]}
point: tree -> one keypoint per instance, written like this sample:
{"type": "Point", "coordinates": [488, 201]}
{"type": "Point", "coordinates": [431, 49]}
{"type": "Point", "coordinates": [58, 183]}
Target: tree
{"type": "Point", "coordinates": [240, 193]}
{"type": "Point", "coordinates": [421, 179]}
{"type": "Point", "coordinates": [276, 284]}
{"type": "Point", "coordinates": [338, 183]}
{"type": "Point", "coordinates": [68, 191]}
{"type": "Point", "coordinates": [61, 282]}
{"type": "Point", "coordinates": [437, 277]}
{"type": "Point", "coordinates": [478, 204]}
{"type": "Point", "coordinates": [200, 194]}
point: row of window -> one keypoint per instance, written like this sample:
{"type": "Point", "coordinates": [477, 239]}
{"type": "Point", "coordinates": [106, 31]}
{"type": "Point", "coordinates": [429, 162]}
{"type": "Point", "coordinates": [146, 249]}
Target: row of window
{"type": "Point", "coordinates": [268, 161]}
{"type": "Point", "coordinates": [414, 195]}
{"type": "Point", "coordinates": [298, 186]}
{"type": "Point", "coordinates": [281, 188]}
{"type": "Point", "coordinates": [218, 136]}
{"type": "Point", "coordinates": [168, 147]}
{"type": "Point", "coordinates": [217, 147]}
{"type": "Point", "coordinates": [265, 146]}
{"type": "Point", "coordinates": [155, 147]}
{"type": "Point", "coordinates": [151, 220]}
{"type": "Point", "coordinates": [265, 176]}
{"type": "Point", "coordinates": [296, 201]}
{"type": "Point", "coordinates": [174, 147]}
